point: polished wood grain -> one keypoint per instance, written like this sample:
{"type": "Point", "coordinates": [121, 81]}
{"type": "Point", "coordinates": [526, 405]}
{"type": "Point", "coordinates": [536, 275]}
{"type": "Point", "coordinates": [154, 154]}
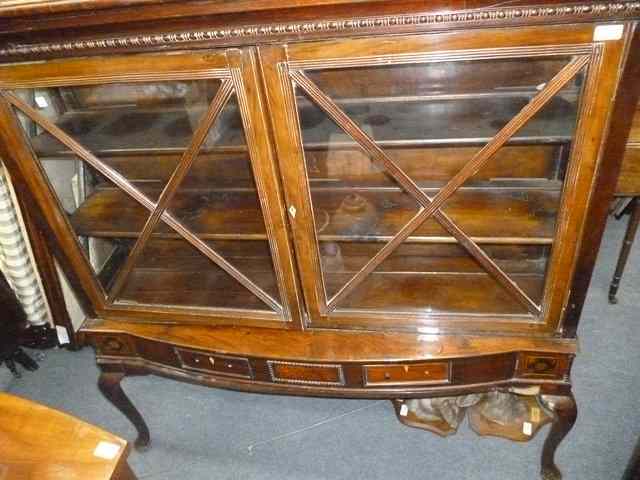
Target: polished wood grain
{"type": "Point", "coordinates": [325, 345]}
{"type": "Point", "coordinates": [19, 8]}
{"type": "Point", "coordinates": [39, 442]}
{"type": "Point", "coordinates": [205, 29]}
{"type": "Point", "coordinates": [629, 178]}
{"type": "Point", "coordinates": [235, 214]}
{"type": "Point", "coordinates": [576, 37]}
{"type": "Point", "coordinates": [634, 129]}
{"type": "Point", "coordinates": [565, 412]}
{"type": "Point", "coordinates": [484, 262]}
{"type": "Point", "coordinates": [245, 71]}
{"type": "Point", "coordinates": [143, 68]}
{"type": "Point", "coordinates": [109, 385]}
{"type": "Point", "coordinates": [407, 374]}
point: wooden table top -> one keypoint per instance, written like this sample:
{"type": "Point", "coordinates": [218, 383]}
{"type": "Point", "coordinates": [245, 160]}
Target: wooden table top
{"type": "Point", "coordinates": [629, 179]}
{"type": "Point", "coordinates": [38, 442]}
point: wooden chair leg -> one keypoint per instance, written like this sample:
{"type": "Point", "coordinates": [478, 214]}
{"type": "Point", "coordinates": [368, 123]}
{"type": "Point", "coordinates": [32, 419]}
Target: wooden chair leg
{"type": "Point", "coordinates": [565, 413]}
{"type": "Point", "coordinates": [109, 385]}
{"type": "Point", "coordinates": [632, 228]}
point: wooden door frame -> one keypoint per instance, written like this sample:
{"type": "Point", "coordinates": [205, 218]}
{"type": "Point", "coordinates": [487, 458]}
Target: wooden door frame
{"type": "Point", "coordinates": [567, 40]}
{"type": "Point", "coordinates": [24, 165]}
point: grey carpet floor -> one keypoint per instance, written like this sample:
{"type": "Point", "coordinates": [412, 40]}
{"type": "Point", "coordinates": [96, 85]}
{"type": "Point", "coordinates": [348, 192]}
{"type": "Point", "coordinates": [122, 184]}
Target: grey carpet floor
{"type": "Point", "coordinates": [200, 433]}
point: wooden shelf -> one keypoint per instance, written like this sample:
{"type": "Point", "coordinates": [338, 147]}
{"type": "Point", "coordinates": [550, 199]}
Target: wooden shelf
{"type": "Point", "coordinates": [132, 130]}
{"type": "Point", "coordinates": [212, 215]}
{"type": "Point", "coordinates": [209, 287]}
{"type": "Point", "coordinates": [435, 258]}
{"type": "Point", "coordinates": [468, 121]}
{"type": "Point", "coordinates": [436, 293]}
{"type": "Point", "coordinates": [424, 264]}
{"type": "Point", "coordinates": [172, 272]}
{"type": "Point", "coordinates": [455, 285]}
{"type": "Point", "coordinates": [489, 215]}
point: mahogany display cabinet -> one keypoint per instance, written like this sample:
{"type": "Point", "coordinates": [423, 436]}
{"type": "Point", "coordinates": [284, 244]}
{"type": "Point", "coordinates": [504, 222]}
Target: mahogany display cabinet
{"type": "Point", "coordinates": [341, 198]}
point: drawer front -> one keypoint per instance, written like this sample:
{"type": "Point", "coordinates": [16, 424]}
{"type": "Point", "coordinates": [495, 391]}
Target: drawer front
{"type": "Point", "coordinates": [406, 374]}
{"type": "Point", "coordinates": [306, 373]}
{"type": "Point", "coordinates": [547, 366]}
{"type": "Point", "coordinates": [218, 364]}
{"type": "Point", "coordinates": [115, 345]}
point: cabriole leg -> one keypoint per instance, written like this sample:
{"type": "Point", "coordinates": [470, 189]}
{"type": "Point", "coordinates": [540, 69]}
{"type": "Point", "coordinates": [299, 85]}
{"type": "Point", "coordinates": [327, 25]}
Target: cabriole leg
{"type": "Point", "coordinates": [565, 413]}
{"type": "Point", "coordinates": [109, 385]}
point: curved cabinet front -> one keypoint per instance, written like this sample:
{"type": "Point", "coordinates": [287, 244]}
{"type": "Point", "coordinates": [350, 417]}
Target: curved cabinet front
{"type": "Point", "coordinates": [366, 365]}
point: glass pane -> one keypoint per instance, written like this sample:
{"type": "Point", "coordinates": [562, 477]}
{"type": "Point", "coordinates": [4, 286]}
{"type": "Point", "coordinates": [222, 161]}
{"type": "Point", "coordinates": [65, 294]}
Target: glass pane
{"type": "Point", "coordinates": [350, 201]}
{"type": "Point", "coordinates": [172, 272]}
{"type": "Point", "coordinates": [524, 208]}
{"type": "Point", "coordinates": [217, 201]}
{"type": "Point", "coordinates": [431, 119]}
{"type": "Point", "coordinates": [131, 117]}
{"type": "Point", "coordinates": [141, 130]}
{"type": "Point", "coordinates": [443, 278]}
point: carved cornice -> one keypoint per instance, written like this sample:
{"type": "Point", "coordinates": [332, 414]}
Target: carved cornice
{"type": "Point", "coordinates": [492, 16]}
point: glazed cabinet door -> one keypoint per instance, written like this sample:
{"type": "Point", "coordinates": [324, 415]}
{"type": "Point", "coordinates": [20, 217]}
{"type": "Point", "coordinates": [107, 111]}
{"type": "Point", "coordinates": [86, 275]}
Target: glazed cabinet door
{"type": "Point", "coordinates": [440, 182]}
{"type": "Point", "coordinates": [156, 174]}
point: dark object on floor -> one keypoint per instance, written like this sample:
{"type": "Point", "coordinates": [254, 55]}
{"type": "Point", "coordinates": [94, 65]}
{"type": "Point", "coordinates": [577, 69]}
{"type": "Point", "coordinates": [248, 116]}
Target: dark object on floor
{"type": "Point", "coordinates": [10, 331]}
{"type": "Point", "coordinates": [634, 210]}
{"type": "Point", "coordinates": [39, 337]}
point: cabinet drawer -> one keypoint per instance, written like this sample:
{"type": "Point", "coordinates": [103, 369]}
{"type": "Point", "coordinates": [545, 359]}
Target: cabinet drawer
{"type": "Point", "coordinates": [306, 373]}
{"type": "Point", "coordinates": [535, 365]}
{"type": "Point", "coordinates": [115, 345]}
{"type": "Point", "coordinates": [219, 364]}
{"type": "Point", "coordinates": [406, 374]}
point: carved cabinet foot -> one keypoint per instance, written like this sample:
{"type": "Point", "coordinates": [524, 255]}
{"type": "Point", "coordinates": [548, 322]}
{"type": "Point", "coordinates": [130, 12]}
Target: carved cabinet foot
{"type": "Point", "coordinates": [109, 385]}
{"type": "Point", "coordinates": [565, 413]}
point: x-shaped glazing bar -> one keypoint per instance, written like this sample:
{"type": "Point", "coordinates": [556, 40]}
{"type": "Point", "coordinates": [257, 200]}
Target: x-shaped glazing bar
{"type": "Point", "coordinates": [124, 184]}
{"type": "Point", "coordinates": [431, 206]}
{"type": "Point", "coordinates": [171, 188]}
